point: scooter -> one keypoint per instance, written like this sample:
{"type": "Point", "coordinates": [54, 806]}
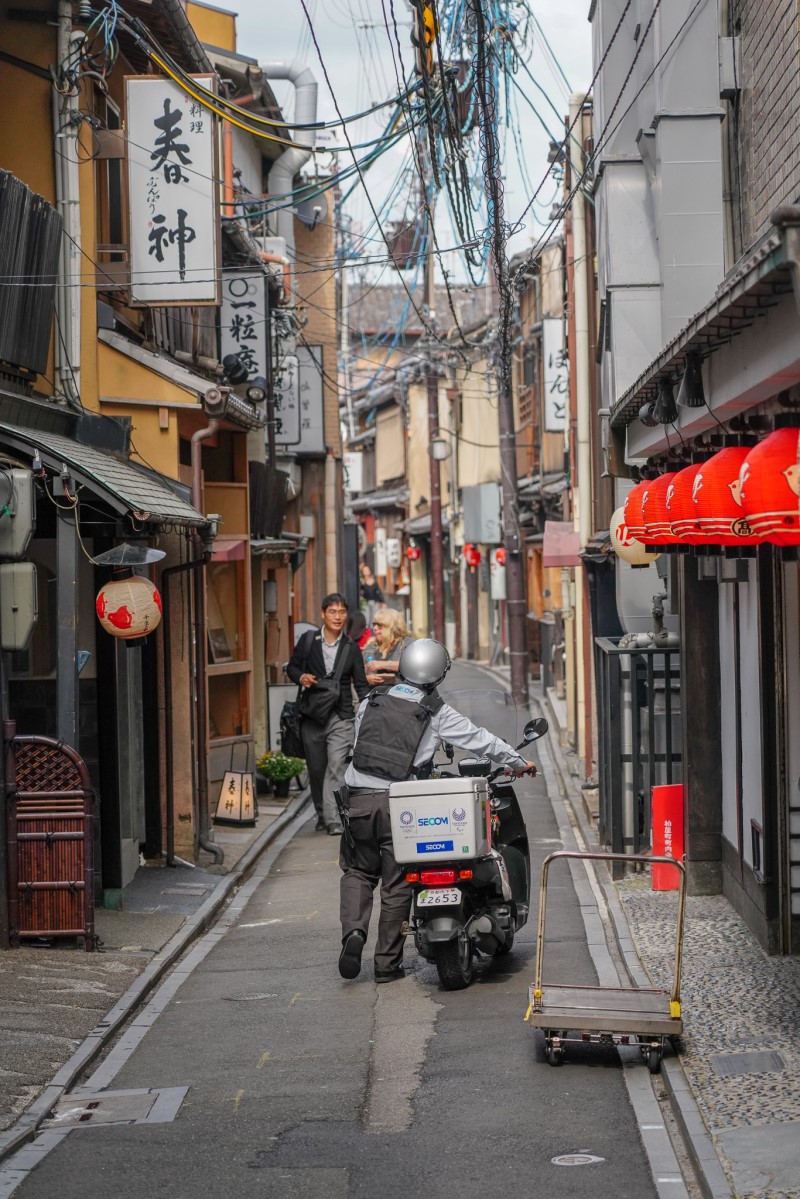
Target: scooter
{"type": "Point", "coordinates": [473, 905]}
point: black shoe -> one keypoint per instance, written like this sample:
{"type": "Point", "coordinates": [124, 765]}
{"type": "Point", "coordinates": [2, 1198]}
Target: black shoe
{"type": "Point", "coordinates": [350, 957]}
{"type": "Point", "coordinates": [389, 976]}
{"type": "Point", "coordinates": [320, 826]}
{"type": "Point", "coordinates": [335, 829]}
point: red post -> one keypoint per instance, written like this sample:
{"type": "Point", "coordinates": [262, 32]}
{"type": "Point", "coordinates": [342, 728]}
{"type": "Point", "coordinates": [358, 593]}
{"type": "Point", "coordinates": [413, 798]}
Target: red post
{"type": "Point", "coordinates": [667, 809]}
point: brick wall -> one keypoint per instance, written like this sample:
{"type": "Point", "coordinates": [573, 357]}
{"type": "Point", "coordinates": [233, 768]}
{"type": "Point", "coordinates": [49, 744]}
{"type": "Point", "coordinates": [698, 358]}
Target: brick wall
{"type": "Point", "coordinates": [765, 139]}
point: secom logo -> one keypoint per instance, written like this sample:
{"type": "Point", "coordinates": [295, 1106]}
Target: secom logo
{"type": "Point", "coordinates": [427, 821]}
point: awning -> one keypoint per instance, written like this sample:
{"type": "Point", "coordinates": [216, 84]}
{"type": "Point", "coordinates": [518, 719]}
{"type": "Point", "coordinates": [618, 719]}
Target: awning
{"type": "Point", "coordinates": [561, 545]}
{"type": "Point", "coordinates": [378, 499]}
{"type": "Point", "coordinates": [167, 368]}
{"type": "Point", "coordinates": [126, 488]}
{"type": "Point", "coordinates": [754, 287]}
{"type": "Point", "coordinates": [276, 547]}
{"type": "Point", "coordinates": [417, 526]}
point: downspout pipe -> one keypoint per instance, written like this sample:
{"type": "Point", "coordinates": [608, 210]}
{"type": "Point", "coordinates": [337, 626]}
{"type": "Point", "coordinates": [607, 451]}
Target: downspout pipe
{"type": "Point", "coordinates": [66, 128]}
{"type": "Point", "coordinates": [201, 712]}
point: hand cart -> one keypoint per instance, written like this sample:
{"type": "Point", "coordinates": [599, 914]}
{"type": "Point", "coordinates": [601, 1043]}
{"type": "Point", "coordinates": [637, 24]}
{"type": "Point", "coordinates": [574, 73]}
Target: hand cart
{"type": "Point", "coordinates": [615, 1015]}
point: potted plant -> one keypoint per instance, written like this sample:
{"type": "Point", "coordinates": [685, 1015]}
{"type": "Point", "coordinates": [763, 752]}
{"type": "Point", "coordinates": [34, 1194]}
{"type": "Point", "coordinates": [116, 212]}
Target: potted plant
{"type": "Point", "coordinates": [280, 769]}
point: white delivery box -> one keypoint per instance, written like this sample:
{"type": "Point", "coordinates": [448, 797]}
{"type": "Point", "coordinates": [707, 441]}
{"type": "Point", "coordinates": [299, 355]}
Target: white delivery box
{"type": "Point", "coordinates": [440, 819]}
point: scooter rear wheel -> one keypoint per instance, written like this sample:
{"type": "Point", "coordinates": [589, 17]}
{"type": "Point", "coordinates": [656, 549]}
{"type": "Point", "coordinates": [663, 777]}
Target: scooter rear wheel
{"type": "Point", "coordinates": [454, 962]}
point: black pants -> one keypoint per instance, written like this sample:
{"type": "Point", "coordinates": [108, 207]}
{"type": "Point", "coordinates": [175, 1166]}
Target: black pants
{"type": "Point", "coordinates": [369, 862]}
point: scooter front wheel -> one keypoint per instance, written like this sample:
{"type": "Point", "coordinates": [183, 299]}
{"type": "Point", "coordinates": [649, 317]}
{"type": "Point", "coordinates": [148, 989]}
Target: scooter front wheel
{"type": "Point", "coordinates": [454, 962]}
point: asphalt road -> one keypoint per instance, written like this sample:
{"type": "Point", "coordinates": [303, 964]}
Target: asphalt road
{"type": "Point", "coordinates": [300, 1084]}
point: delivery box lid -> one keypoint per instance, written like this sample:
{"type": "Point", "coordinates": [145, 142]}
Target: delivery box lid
{"type": "Point", "coordinates": [433, 788]}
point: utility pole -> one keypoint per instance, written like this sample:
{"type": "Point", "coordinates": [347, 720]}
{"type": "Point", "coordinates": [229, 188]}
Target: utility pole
{"type": "Point", "coordinates": [432, 381]}
{"type": "Point", "coordinates": [516, 606]}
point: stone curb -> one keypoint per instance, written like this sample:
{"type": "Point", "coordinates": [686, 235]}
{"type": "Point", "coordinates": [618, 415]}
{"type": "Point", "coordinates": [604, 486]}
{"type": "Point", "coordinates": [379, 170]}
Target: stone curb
{"type": "Point", "coordinates": [711, 1176]}
{"type": "Point", "coordinates": [25, 1128]}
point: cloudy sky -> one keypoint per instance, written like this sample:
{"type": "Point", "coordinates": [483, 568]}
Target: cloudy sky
{"type": "Point", "coordinates": [355, 48]}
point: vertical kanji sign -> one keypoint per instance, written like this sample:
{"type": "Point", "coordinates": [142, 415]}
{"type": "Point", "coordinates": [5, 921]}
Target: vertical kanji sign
{"type": "Point", "coordinates": [174, 222]}
{"type": "Point", "coordinates": [243, 320]}
{"type": "Point", "coordinates": [556, 375]}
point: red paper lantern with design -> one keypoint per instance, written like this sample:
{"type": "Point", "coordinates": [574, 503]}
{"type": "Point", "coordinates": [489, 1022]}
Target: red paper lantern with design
{"type": "Point", "coordinates": [681, 506]}
{"type": "Point", "coordinates": [500, 555]}
{"type": "Point", "coordinates": [721, 518]}
{"type": "Point", "coordinates": [656, 517]}
{"type": "Point", "coordinates": [769, 487]}
{"type": "Point", "coordinates": [472, 555]}
{"type": "Point", "coordinates": [634, 521]}
{"type": "Point", "coordinates": [413, 553]}
{"type": "Point", "coordinates": [129, 608]}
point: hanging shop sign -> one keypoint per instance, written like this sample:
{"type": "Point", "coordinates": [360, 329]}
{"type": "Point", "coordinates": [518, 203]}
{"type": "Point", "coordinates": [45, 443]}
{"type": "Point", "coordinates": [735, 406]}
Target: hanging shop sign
{"type": "Point", "coordinates": [353, 466]}
{"type": "Point", "coordinates": [243, 320]}
{"type": "Point", "coordinates": [172, 194]}
{"type": "Point", "coordinates": [556, 375]}
{"type": "Point", "coordinates": [299, 414]}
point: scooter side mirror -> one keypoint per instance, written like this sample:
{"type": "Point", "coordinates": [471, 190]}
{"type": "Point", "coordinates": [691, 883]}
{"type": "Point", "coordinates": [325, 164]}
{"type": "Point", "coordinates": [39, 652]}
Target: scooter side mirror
{"type": "Point", "coordinates": [535, 729]}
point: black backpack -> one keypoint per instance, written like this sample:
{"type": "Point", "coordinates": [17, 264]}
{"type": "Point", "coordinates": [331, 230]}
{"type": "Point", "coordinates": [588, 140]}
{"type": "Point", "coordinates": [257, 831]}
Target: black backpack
{"type": "Point", "coordinates": [390, 733]}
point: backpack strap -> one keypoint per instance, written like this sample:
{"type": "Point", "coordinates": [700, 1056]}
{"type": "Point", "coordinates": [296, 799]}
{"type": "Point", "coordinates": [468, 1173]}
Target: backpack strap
{"type": "Point", "coordinates": [433, 702]}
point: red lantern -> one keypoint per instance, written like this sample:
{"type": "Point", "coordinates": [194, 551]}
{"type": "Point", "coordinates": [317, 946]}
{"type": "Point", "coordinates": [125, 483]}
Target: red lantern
{"type": "Point", "coordinates": [413, 553]}
{"type": "Point", "coordinates": [500, 555]}
{"type": "Point", "coordinates": [769, 486]}
{"type": "Point", "coordinates": [656, 517]}
{"type": "Point", "coordinates": [717, 491]}
{"type": "Point", "coordinates": [472, 555]}
{"type": "Point", "coordinates": [129, 608]}
{"type": "Point", "coordinates": [634, 521]}
{"type": "Point", "coordinates": [681, 506]}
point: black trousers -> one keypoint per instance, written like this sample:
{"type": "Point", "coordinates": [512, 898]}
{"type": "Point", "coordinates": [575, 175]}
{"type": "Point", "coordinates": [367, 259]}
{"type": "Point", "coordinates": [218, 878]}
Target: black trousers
{"type": "Point", "coordinates": [368, 862]}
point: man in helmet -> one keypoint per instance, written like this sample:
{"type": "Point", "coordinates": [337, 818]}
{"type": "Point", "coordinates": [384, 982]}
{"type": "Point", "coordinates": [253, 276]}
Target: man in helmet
{"type": "Point", "coordinates": [398, 730]}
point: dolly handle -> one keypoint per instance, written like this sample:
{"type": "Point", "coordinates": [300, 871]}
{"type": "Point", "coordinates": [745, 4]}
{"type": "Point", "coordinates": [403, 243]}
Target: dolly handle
{"type": "Point", "coordinates": [599, 856]}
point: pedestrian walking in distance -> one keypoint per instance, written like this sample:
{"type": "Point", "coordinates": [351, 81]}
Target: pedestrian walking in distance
{"type": "Point", "coordinates": [398, 731]}
{"type": "Point", "coordinates": [382, 652]}
{"type": "Point", "coordinates": [326, 664]}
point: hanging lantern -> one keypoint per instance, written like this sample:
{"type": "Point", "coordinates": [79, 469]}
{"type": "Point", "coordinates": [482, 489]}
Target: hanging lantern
{"type": "Point", "coordinates": [717, 492]}
{"type": "Point", "coordinates": [769, 486]}
{"type": "Point", "coordinates": [634, 521]}
{"type": "Point", "coordinates": [500, 555]}
{"type": "Point", "coordinates": [472, 555]}
{"type": "Point", "coordinates": [656, 518]}
{"type": "Point", "coordinates": [625, 546]}
{"type": "Point", "coordinates": [681, 506]}
{"type": "Point", "coordinates": [413, 553]}
{"type": "Point", "coordinates": [129, 608]}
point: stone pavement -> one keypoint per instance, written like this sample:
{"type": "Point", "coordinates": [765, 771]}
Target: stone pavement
{"type": "Point", "coordinates": [52, 996]}
{"type": "Point", "coordinates": [739, 1059]}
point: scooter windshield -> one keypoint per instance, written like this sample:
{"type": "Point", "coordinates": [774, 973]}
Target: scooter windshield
{"type": "Point", "coordinates": [489, 708]}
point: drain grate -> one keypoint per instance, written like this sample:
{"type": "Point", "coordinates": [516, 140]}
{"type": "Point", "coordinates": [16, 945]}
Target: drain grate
{"type": "Point", "coordinates": [576, 1159]}
{"type": "Point", "coordinates": [728, 1065]}
{"type": "Point", "coordinates": [156, 1106]}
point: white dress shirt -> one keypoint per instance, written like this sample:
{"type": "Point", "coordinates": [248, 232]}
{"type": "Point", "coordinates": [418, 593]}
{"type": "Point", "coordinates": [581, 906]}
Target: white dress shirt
{"type": "Point", "coordinates": [329, 652]}
{"type": "Point", "coordinates": [445, 725]}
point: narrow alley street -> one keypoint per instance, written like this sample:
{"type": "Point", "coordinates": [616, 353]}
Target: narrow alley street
{"type": "Point", "coordinates": [292, 1082]}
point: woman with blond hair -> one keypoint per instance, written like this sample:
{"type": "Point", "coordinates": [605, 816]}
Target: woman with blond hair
{"type": "Point", "coordinates": [382, 652]}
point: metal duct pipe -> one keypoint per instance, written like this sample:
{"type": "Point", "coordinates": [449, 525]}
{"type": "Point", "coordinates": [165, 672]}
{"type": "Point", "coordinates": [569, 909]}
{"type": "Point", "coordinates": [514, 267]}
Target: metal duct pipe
{"type": "Point", "coordinates": [284, 169]}
{"type": "Point", "coordinates": [66, 128]}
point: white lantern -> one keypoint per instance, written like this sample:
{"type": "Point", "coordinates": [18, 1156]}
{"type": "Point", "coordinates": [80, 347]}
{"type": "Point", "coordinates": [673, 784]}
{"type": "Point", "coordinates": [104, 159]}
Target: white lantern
{"type": "Point", "coordinates": [625, 545]}
{"type": "Point", "coordinates": [129, 608]}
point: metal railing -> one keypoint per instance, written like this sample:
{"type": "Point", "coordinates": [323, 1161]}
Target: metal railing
{"type": "Point", "coordinates": [639, 737]}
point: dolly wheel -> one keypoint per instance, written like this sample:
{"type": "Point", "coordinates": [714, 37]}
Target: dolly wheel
{"type": "Point", "coordinates": [654, 1059]}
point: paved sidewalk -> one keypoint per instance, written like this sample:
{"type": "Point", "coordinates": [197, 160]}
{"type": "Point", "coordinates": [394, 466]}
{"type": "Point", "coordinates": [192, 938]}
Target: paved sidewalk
{"type": "Point", "coordinates": [740, 1056]}
{"type": "Point", "coordinates": [52, 996]}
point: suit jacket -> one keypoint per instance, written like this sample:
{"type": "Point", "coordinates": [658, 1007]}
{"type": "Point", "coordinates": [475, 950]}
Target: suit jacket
{"type": "Point", "coordinates": [307, 659]}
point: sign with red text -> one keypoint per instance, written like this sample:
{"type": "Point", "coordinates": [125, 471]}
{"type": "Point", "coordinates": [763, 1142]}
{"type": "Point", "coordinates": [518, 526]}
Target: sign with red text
{"type": "Point", "coordinates": [667, 815]}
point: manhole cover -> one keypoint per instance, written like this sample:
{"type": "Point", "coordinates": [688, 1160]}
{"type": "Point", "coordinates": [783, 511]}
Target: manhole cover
{"type": "Point", "coordinates": [156, 1106]}
{"type": "Point", "coordinates": [760, 1061]}
{"type": "Point", "coordinates": [576, 1159]}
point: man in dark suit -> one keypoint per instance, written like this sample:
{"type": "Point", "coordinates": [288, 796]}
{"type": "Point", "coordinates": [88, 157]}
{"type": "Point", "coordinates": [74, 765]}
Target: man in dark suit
{"type": "Point", "coordinates": [320, 654]}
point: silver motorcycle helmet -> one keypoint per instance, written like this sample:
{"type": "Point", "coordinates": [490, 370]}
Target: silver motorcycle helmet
{"type": "Point", "coordinates": [424, 663]}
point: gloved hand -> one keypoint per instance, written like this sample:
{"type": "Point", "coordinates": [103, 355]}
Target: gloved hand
{"type": "Point", "coordinates": [530, 768]}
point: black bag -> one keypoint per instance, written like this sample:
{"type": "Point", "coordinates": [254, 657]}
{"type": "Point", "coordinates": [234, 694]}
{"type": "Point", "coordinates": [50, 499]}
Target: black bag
{"type": "Point", "coordinates": [318, 702]}
{"type": "Point", "coordinates": [291, 733]}
{"type": "Point", "coordinates": [390, 734]}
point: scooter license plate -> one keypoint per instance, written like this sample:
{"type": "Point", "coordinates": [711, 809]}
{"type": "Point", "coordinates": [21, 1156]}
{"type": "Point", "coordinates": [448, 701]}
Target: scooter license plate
{"type": "Point", "coordinates": [438, 897]}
